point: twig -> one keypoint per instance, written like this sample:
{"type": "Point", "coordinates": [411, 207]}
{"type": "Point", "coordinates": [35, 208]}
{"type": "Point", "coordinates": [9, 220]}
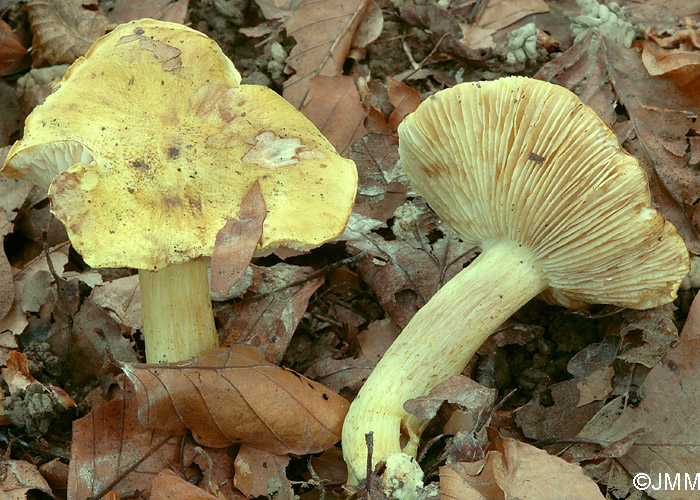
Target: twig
{"type": "Point", "coordinates": [422, 63]}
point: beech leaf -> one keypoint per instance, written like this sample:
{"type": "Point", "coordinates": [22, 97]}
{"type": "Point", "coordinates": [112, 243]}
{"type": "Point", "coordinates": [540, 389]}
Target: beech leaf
{"type": "Point", "coordinates": [230, 396]}
{"type": "Point", "coordinates": [324, 31]}
{"type": "Point", "coordinates": [236, 242]}
{"type": "Point", "coordinates": [111, 450]}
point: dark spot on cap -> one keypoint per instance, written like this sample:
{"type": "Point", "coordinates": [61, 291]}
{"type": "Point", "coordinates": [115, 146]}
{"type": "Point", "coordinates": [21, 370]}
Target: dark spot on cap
{"type": "Point", "coordinates": [140, 163]}
{"type": "Point", "coordinates": [172, 202]}
{"type": "Point", "coordinates": [139, 31]}
{"type": "Point", "coordinates": [131, 190]}
{"type": "Point", "coordinates": [173, 153]}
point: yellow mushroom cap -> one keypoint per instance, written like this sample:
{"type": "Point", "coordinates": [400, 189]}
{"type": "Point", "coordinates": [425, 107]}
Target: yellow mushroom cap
{"type": "Point", "coordinates": [149, 143]}
{"type": "Point", "coordinates": [526, 160]}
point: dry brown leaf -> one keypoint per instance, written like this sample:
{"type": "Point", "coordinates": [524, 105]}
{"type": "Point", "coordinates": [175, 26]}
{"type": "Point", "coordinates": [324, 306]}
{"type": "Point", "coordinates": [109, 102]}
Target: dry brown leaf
{"type": "Point", "coordinates": [404, 99]}
{"type": "Point", "coordinates": [648, 335]}
{"type": "Point", "coordinates": [262, 474]}
{"type": "Point", "coordinates": [370, 27]}
{"type": "Point", "coordinates": [277, 9]}
{"type": "Point", "coordinates": [121, 298]}
{"type": "Point", "coordinates": [233, 396]}
{"type": "Point", "coordinates": [674, 53]}
{"type": "Point", "coordinates": [666, 420]}
{"type": "Point", "coordinates": [457, 390]}
{"type": "Point", "coordinates": [7, 288]}
{"type": "Point", "coordinates": [382, 183]}
{"type": "Point", "coordinates": [501, 13]}
{"type": "Point", "coordinates": [63, 30]}
{"type": "Point", "coordinates": [10, 118]}
{"type": "Point", "coordinates": [17, 374]}
{"type": "Point", "coordinates": [603, 73]}
{"type": "Point", "coordinates": [18, 478]}
{"type": "Point", "coordinates": [174, 11]}
{"type": "Point", "coordinates": [330, 467]}
{"type": "Point", "coordinates": [111, 450]}
{"type": "Point", "coordinates": [405, 272]}
{"type": "Point", "coordinates": [323, 30]}
{"type": "Point", "coordinates": [593, 372]}
{"type": "Point", "coordinates": [351, 373]}
{"type": "Point", "coordinates": [56, 473]}
{"type": "Point", "coordinates": [334, 106]}
{"type": "Point", "coordinates": [236, 242]}
{"type": "Point", "coordinates": [563, 419]}
{"type": "Point", "coordinates": [516, 470]}
{"type": "Point", "coordinates": [269, 322]}
{"type": "Point", "coordinates": [167, 485]}
{"type": "Point", "coordinates": [11, 48]}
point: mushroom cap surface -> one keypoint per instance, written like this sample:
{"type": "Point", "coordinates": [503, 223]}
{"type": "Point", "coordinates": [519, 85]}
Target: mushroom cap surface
{"type": "Point", "coordinates": [526, 160]}
{"type": "Point", "coordinates": [149, 143]}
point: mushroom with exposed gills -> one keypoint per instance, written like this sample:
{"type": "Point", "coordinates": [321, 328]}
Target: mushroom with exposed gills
{"type": "Point", "coordinates": [526, 171]}
{"type": "Point", "coordinates": [147, 147]}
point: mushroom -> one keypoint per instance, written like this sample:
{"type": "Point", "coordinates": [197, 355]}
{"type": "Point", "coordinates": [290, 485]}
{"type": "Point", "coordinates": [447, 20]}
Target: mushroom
{"type": "Point", "coordinates": [526, 171]}
{"type": "Point", "coordinates": [147, 147]}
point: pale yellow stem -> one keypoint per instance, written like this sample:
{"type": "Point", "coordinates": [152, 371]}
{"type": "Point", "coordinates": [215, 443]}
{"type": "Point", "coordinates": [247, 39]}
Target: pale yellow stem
{"type": "Point", "coordinates": [436, 344]}
{"type": "Point", "coordinates": [178, 321]}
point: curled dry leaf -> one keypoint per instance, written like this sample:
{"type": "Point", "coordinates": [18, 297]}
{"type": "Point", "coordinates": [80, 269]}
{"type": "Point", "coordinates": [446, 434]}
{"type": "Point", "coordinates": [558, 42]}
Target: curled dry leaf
{"type": "Point", "coordinates": [502, 13]}
{"type": "Point", "coordinates": [236, 242]}
{"type": "Point", "coordinates": [405, 101]}
{"type": "Point", "coordinates": [334, 106]}
{"type": "Point", "coordinates": [63, 30]}
{"type": "Point", "coordinates": [230, 396]}
{"type": "Point", "coordinates": [112, 451]}
{"type": "Point", "coordinates": [323, 30]}
{"type": "Point", "coordinates": [516, 470]}
{"type": "Point", "coordinates": [167, 485]}
{"type": "Point", "coordinates": [11, 48]}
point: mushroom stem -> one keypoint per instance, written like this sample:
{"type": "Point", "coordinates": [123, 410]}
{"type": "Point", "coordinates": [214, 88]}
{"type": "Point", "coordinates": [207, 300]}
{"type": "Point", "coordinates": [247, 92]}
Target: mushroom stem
{"type": "Point", "coordinates": [436, 344]}
{"type": "Point", "coordinates": [178, 321]}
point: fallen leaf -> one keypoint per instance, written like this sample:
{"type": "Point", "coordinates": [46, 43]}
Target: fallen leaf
{"type": "Point", "coordinates": [262, 474]}
{"type": "Point", "coordinates": [123, 11]}
{"type": "Point", "coordinates": [370, 27]}
{"type": "Point", "coordinates": [167, 485]}
{"type": "Point", "coordinates": [333, 105]}
{"type": "Point", "coordinates": [648, 335]}
{"type": "Point", "coordinates": [382, 184]}
{"type": "Point", "coordinates": [458, 390]}
{"type": "Point", "coordinates": [406, 271]}
{"type": "Point", "coordinates": [666, 419]}
{"type": "Point", "coordinates": [121, 299]}
{"type": "Point", "coordinates": [63, 30]}
{"type": "Point", "coordinates": [593, 372]}
{"type": "Point", "coordinates": [230, 396]}
{"type": "Point", "coordinates": [563, 419]}
{"type": "Point", "coordinates": [277, 9]}
{"type": "Point", "coordinates": [11, 48]}
{"type": "Point", "coordinates": [111, 450]}
{"type": "Point", "coordinates": [673, 52]}
{"type": "Point", "coordinates": [7, 288]}
{"type": "Point", "coordinates": [323, 31]}
{"type": "Point", "coordinates": [18, 478]}
{"type": "Point", "coordinates": [236, 242]}
{"type": "Point", "coordinates": [56, 474]}
{"type": "Point", "coordinates": [516, 470]}
{"type": "Point", "coordinates": [351, 373]}
{"type": "Point", "coordinates": [16, 374]}
{"type": "Point", "coordinates": [404, 99]}
{"type": "Point", "coordinates": [499, 14]}
{"type": "Point", "coordinates": [268, 322]}
{"type": "Point", "coordinates": [330, 467]}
